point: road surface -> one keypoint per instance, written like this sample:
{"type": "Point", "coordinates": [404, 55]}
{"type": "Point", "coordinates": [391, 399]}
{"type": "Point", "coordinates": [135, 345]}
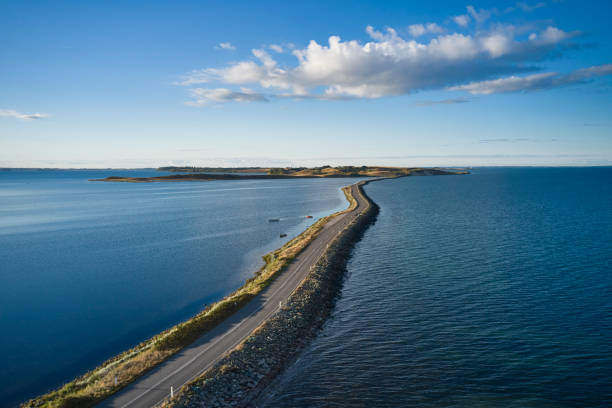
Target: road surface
{"type": "Point", "coordinates": [192, 361]}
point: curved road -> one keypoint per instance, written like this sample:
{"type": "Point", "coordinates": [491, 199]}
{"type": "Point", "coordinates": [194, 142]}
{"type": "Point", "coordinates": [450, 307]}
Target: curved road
{"type": "Point", "coordinates": [192, 361]}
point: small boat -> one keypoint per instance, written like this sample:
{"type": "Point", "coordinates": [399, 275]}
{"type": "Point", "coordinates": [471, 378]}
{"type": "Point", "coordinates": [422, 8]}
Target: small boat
{"type": "Point", "coordinates": [309, 216]}
{"type": "Point", "coordinates": [283, 235]}
{"type": "Point", "coordinates": [274, 220]}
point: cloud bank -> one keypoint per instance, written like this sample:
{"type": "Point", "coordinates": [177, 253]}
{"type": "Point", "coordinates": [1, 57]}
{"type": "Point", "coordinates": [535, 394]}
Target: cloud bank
{"type": "Point", "coordinates": [485, 61]}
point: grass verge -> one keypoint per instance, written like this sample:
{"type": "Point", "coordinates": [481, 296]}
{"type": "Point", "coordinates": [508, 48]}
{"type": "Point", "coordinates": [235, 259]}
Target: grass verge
{"type": "Point", "coordinates": [119, 371]}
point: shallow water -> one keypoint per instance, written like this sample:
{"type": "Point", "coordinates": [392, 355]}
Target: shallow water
{"type": "Point", "coordinates": [88, 269]}
{"type": "Point", "coordinates": [487, 290]}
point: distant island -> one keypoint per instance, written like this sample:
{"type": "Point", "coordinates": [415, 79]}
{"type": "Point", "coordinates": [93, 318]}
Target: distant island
{"type": "Point", "coordinates": [246, 173]}
{"type": "Point", "coordinates": [191, 169]}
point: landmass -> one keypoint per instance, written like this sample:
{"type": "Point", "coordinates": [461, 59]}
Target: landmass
{"type": "Point", "coordinates": [249, 173]}
{"type": "Point", "coordinates": [192, 169]}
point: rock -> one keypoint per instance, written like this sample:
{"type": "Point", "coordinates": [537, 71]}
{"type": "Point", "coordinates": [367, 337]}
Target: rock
{"type": "Point", "coordinates": [239, 377]}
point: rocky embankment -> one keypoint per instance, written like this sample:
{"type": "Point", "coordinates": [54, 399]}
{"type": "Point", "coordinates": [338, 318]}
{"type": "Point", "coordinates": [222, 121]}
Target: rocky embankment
{"type": "Point", "coordinates": [239, 378]}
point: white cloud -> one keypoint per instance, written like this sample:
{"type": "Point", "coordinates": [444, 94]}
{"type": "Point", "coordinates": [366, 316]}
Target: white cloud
{"type": "Point", "coordinates": [416, 30]}
{"type": "Point", "coordinates": [597, 70]}
{"type": "Point", "coordinates": [533, 82]}
{"type": "Point", "coordinates": [528, 8]}
{"type": "Point", "coordinates": [553, 35]}
{"type": "Point", "coordinates": [388, 65]}
{"type": "Point", "coordinates": [497, 44]}
{"type": "Point", "coordinates": [10, 113]}
{"type": "Point", "coordinates": [204, 96]}
{"type": "Point", "coordinates": [385, 65]}
{"type": "Point", "coordinates": [277, 48]}
{"type": "Point", "coordinates": [378, 36]}
{"type": "Point", "coordinates": [463, 20]}
{"type": "Point", "coordinates": [508, 84]}
{"type": "Point", "coordinates": [226, 46]}
{"type": "Point", "coordinates": [480, 16]}
{"type": "Point", "coordinates": [434, 28]}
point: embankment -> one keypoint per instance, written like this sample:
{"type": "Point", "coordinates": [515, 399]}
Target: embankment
{"type": "Point", "coordinates": [239, 378]}
{"type": "Point", "coordinates": [120, 371]}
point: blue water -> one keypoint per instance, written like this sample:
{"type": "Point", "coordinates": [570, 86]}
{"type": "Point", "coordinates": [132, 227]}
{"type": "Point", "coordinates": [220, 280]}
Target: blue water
{"type": "Point", "coordinates": [487, 290]}
{"type": "Point", "coordinates": [88, 269]}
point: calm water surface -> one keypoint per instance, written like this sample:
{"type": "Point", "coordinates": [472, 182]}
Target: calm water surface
{"type": "Point", "coordinates": [88, 269]}
{"type": "Point", "coordinates": [487, 290]}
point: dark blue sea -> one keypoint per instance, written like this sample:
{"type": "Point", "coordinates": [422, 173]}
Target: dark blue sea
{"type": "Point", "coordinates": [487, 290]}
{"type": "Point", "coordinates": [89, 269]}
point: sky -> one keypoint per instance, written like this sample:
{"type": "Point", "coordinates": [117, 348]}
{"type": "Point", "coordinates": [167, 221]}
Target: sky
{"type": "Point", "coordinates": [276, 83]}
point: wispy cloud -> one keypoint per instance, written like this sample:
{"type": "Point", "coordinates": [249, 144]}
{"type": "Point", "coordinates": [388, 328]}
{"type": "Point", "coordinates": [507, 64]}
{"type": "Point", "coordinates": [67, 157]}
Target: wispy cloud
{"type": "Point", "coordinates": [443, 102]}
{"type": "Point", "coordinates": [277, 48]}
{"type": "Point", "coordinates": [504, 140]}
{"type": "Point", "coordinates": [480, 16]}
{"type": "Point", "coordinates": [528, 8]}
{"type": "Point", "coordinates": [10, 113]}
{"type": "Point", "coordinates": [203, 96]}
{"type": "Point", "coordinates": [417, 30]}
{"type": "Point", "coordinates": [194, 77]}
{"type": "Point", "coordinates": [463, 20]}
{"type": "Point", "coordinates": [225, 46]}
{"type": "Point", "coordinates": [533, 82]}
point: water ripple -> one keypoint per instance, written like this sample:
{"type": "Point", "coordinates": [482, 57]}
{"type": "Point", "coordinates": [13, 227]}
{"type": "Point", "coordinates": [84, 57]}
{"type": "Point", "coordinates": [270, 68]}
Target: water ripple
{"type": "Point", "coordinates": [492, 290]}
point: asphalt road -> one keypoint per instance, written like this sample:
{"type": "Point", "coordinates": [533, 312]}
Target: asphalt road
{"type": "Point", "coordinates": [192, 361]}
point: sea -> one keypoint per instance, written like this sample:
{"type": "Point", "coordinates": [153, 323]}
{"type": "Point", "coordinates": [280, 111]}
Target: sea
{"type": "Point", "coordinates": [492, 289]}
{"type": "Point", "coordinates": [90, 269]}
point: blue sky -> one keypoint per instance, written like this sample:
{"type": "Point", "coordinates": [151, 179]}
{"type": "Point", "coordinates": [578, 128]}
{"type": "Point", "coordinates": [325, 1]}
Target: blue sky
{"type": "Point", "coordinates": [133, 84]}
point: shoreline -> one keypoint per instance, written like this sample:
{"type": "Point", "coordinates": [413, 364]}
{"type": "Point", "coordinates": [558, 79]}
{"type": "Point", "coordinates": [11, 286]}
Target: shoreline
{"type": "Point", "coordinates": [98, 384]}
{"type": "Point", "coordinates": [240, 378]}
